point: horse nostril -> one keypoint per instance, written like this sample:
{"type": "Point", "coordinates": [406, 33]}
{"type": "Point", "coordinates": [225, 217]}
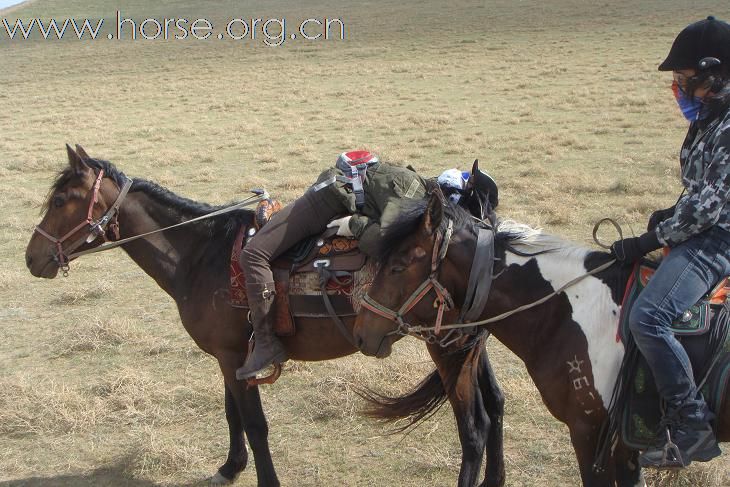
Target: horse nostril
{"type": "Point", "coordinates": [358, 341]}
{"type": "Point", "coordinates": [28, 260]}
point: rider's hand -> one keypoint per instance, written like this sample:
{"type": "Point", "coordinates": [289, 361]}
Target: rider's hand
{"type": "Point", "coordinates": [629, 250]}
{"type": "Point", "coordinates": [343, 226]}
{"type": "Point", "coordinates": [659, 216]}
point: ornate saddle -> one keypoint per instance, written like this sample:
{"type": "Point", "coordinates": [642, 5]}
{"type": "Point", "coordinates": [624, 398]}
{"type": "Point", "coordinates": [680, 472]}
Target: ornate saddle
{"type": "Point", "coordinates": [703, 332]}
{"type": "Point", "coordinates": [318, 278]}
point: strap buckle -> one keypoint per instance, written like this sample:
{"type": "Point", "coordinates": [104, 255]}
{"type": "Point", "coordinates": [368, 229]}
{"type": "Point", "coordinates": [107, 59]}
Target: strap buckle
{"type": "Point", "coordinates": [323, 263]}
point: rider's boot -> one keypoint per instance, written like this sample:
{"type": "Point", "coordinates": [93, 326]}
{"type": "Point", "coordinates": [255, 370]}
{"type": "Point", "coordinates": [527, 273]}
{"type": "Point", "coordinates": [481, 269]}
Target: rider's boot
{"type": "Point", "coordinates": [267, 348]}
{"type": "Point", "coordinates": [684, 440]}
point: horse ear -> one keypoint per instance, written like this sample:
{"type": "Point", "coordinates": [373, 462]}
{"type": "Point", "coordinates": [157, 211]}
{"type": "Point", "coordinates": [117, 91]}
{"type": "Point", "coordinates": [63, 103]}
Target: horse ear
{"type": "Point", "coordinates": [434, 212]}
{"type": "Point", "coordinates": [474, 167]}
{"type": "Point", "coordinates": [76, 162]}
{"type": "Point", "coordinates": [81, 152]}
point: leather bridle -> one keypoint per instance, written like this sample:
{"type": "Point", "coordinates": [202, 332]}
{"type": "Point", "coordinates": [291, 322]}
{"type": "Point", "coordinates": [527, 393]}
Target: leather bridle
{"type": "Point", "coordinates": [96, 228]}
{"type": "Point", "coordinates": [443, 300]}
{"type": "Point", "coordinates": [480, 279]}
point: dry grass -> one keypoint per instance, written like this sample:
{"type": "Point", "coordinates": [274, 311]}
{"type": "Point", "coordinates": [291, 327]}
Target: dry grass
{"type": "Point", "coordinates": [101, 385]}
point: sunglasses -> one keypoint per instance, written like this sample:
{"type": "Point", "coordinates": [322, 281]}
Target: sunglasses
{"type": "Point", "coordinates": [682, 81]}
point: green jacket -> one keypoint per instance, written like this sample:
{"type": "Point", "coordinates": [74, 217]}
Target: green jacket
{"type": "Point", "coordinates": [385, 186]}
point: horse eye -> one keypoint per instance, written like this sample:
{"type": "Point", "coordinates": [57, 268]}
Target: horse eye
{"type": "Point", "coordinates": [397, 269]}
{"type": "Point", "coordinates": [58, 202]}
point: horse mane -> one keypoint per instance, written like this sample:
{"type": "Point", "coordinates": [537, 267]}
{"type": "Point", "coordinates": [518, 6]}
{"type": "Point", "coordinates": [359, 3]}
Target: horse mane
{"type": "Point", "coordinates": [508, 233]}
{"type": "Point", "coordinates": [220, 226]}
{"type": "Point", "coordinates": [407, 222]}
{"type": "Point", "coordinates": [527, 239]}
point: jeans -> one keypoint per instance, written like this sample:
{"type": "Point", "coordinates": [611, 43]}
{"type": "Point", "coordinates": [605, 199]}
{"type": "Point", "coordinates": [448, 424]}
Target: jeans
{"type": "Point", "coordinates": [690, 271]}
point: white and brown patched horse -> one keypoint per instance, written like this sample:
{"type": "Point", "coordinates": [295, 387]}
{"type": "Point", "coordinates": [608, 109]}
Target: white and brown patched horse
{"type": "Point", "coordinates": [568, 343]}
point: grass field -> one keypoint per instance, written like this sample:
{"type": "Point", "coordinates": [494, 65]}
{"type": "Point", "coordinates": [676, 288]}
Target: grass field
{"type": "Point", "coordinates": [99, 383]}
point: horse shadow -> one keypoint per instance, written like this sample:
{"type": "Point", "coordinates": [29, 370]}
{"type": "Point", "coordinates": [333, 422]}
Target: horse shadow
{"type": "Point", "coordinates": [118, 474]}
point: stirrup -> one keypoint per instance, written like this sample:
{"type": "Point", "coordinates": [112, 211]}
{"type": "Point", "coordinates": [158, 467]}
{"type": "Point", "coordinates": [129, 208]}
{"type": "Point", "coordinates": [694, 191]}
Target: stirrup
{"type": "Point", "coordinates": [269, 379]}
{"type": "Point", "coordinates": [670, 446]}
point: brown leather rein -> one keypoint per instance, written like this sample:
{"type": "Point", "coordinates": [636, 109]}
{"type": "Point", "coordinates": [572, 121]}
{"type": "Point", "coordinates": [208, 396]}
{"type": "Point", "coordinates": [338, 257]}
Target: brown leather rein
{"type": "Point", "coordinates": [98, 228]}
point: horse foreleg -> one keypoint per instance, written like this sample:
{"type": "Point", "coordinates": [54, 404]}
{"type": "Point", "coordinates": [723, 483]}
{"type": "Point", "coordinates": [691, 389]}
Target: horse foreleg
{"type": "Point", "coordinates": [252, 419]}
{"type": "Point", "coordinates": [494, 475]}
{"type": "Point", "coordinates": [628, 471]}
{"type": "Point", "coordinates": [237, 453]}
{"type": "Point", "coordinates": [584, 437]}
{"type": "Point", "coordinates": [466, 401]}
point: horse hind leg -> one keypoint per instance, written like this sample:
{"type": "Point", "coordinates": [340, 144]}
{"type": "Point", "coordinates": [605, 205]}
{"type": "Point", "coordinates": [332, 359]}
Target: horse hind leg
{"type": "Point", "coordinates": [493, 399]}
{"type": "Point", "coordinates": [237, 452]}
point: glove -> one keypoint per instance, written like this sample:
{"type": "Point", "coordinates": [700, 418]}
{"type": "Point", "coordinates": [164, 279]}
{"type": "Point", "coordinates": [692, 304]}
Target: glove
{"type": "Point", "coordinates": [343, 225]}
{"type": "Point", "coordinates": [629, 250]}
{"type": "Point", "coordinates": [659, 216]}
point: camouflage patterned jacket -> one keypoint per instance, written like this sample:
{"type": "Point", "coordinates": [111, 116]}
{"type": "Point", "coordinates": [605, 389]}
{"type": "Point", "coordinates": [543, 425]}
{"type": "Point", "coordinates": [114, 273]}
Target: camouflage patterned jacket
{"type": "Point", "coordinates": [705, 166]}
{"type": "Point", "coordinates": [385, 185]}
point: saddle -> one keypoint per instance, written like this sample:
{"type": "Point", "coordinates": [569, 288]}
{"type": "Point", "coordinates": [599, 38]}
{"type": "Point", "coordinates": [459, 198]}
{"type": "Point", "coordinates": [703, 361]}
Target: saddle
{"type": "Point", "coordinates": [318, 278]}
{"type": "Point", "coordinates": [703, 332]}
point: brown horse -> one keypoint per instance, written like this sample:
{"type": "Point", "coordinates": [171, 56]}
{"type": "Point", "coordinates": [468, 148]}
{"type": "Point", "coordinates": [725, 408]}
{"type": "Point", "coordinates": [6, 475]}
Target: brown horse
{"type": "Point", "coordinates": [569, 343]}
{"type": "Point", "coordinates": [191, 264]}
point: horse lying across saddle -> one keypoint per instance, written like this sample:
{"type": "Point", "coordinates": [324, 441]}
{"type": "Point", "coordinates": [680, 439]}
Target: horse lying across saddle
{"type": "Point", "coordinates": [703, 332]}
{"type": "Point", "coordinates": [319, 277]}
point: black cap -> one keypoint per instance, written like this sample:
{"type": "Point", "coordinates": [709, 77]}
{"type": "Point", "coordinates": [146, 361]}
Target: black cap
{"type": "Point", "coordinates": [708, 38]}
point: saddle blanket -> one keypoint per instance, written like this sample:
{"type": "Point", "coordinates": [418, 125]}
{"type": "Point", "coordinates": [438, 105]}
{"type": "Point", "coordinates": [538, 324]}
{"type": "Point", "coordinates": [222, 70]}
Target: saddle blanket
{"type": "Point", "coordinates": [298, 288]}
{"type": "Point", "coordinates": [703, 323]}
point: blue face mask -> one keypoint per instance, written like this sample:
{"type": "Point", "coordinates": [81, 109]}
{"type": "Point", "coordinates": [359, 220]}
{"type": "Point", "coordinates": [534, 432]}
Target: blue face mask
{"type": "Point", "coordinates": [691, 106]}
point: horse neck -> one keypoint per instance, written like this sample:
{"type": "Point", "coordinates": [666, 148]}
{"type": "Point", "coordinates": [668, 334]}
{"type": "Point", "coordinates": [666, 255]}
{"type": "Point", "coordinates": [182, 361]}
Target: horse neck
{"type": "Point", "coordinates": [588, 308]}
{"type": "Point", "coordinates": [167, 256]}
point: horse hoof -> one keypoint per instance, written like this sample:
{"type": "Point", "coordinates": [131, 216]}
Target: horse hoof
{"type": "Point", "coordinates": [219, 479]}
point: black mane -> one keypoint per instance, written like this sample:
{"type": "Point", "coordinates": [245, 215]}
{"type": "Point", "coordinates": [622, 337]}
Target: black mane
{"type": "Point", "coordinates": [220, 226]}
{"type": "Point", "coordinates": [409, 219]}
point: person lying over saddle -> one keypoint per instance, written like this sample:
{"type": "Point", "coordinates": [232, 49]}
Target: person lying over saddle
{"type": "Point", "coordinates": [352, 197]}
{"type": "Point", "coordinates": [697, 230]}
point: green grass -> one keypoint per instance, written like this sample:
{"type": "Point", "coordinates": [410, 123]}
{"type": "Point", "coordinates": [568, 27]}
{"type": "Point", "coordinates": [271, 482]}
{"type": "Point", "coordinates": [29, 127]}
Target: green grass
{"type": "Point", "coordinates": [560, 101]}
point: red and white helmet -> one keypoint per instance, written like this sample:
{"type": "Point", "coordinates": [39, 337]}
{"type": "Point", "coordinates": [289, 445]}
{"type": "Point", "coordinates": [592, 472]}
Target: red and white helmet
{"type": "Point", "coordinates": [354, 166]}
{"type": "Point", "coordinates": [356, 158]}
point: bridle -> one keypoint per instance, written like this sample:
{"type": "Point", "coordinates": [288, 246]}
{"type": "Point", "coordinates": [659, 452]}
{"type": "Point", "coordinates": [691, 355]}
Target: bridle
{"type": "Point", "coordinates": [479, 284]}
{"type": "Point", "coordinates": [443, 299]}
{"type": "Point", "coordinates": [96, 228]}
{"type": "Point", "coordinates": [107, 227]}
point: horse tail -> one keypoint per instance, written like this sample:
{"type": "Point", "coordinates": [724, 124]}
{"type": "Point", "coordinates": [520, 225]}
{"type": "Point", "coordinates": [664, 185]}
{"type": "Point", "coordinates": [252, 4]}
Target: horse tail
{"type": "Point", "coordinates": [415, 406]}
{"type": "Point", "coordinates": [425, 399]}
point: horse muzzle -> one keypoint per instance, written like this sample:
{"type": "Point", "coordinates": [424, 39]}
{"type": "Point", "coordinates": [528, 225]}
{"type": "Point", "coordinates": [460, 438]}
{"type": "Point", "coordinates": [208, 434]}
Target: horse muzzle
{"type": "Point", "coordinates": [372, 347]}
{"type": "Point", "coordinates": [45, 268]}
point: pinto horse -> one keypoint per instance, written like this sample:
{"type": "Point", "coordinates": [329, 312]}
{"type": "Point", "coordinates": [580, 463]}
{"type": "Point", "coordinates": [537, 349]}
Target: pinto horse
{"type": "Point", "coordinates": [191, 264]}
{"type": "Point", "coordinates": [568, 343]}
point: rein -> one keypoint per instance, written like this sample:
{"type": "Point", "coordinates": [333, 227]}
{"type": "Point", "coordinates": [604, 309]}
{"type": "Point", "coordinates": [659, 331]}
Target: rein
{"type": "Point", "coordinates": [507, 314]}
{"type": "Point", "coordinates": [98, 228]}
{"type": "Point", "coordinates": [242, 204]}
{"type": "Point", "coordinates": [443, 298]}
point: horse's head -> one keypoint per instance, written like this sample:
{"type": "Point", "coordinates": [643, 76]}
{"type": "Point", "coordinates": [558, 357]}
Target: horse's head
{"type": "Point", "coordinates": [77, 215]}
{"type": "Point", "coordinates": [423, 265]}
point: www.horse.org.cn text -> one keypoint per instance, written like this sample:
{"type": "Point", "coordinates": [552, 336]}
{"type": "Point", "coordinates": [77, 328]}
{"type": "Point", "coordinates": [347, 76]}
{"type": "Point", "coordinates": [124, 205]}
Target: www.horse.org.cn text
{"type": "Point", "coordinates": [271, 32]}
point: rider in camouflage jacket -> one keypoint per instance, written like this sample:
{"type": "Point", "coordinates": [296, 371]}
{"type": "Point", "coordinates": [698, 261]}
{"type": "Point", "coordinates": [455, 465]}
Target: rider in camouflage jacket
{"type": "Point", "coordinates": [697, 229]}
{"type": "Point", "coordinates": [705, 163]}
